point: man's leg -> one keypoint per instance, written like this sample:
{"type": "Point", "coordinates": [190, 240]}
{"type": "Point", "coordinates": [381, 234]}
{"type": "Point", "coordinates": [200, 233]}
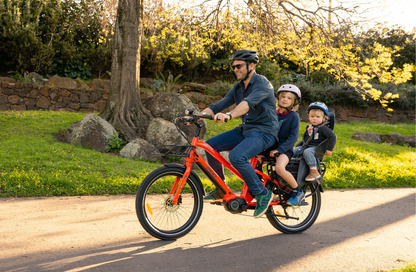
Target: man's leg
{"type": "Point", "coordinates": [222, 142]}
{"type": "Point", "coordinates": [253, 144]}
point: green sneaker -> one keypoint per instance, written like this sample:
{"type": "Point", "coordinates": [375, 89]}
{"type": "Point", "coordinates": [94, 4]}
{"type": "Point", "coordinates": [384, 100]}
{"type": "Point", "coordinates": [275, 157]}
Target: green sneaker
{"type": "Point", "coordinates": [212, 196]}
{"type": "Point", "coordinates": [263, 202]}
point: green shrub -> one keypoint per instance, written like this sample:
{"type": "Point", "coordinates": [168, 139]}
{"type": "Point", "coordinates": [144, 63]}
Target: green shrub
{"type": "Point", "coordinates": [62, 35]}
{"type": "Point", "coordinates": [219, 88]}
{"type": "Point", "coordinates": [341, 94]}
{"type": "Point", "coordinates": [72, 69]}
{"type": "Point", "coordinates": [275, 74]}
{"type": "Point", "coordinates": [27, 31]}
{"type": "Point", "coordinates": [407, 95]}
{"type": "Point", "coordinates": [323, 77]}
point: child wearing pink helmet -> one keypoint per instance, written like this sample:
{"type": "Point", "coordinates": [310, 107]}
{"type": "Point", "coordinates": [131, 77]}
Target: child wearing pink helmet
{"type": "Point", "coordinates": [288, 98]}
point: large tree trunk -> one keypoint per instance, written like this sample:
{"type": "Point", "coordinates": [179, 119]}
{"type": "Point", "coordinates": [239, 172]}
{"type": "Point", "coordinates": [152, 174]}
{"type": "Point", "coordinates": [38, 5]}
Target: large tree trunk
{"type": "Point", "coordinates": [124, 109]}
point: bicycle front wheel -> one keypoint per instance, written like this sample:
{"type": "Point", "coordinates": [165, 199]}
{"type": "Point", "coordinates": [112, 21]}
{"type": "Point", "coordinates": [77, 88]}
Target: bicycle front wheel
{"type": "Point", "coordinates": [156, 212]}
{"type": "Point", "coordinates": [302, 216]}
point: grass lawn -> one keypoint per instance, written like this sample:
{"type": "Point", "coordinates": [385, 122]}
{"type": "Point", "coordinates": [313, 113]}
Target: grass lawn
{"type": "Point", "coordinates": [34, 163]}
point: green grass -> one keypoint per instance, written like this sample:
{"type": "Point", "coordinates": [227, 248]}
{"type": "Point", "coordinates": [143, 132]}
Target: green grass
{"type": "Point", "coordinates": [408, 268]}
{"type": "Point", "coordinates": [356, 164]}
{"type": "Point", "coordinates": [34, 163]}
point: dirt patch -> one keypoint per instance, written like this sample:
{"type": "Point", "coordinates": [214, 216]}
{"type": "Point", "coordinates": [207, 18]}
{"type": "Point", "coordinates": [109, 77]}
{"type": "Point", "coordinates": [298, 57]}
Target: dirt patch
{"type": "Point", "coordinates": [60, 137]}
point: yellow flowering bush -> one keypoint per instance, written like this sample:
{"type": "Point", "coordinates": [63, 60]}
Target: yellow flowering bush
{"type": "Point", "coordinates": [187, 36]}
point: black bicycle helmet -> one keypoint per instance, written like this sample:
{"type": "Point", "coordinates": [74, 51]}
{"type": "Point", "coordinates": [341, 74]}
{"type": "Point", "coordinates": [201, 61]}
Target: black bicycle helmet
{"type": "Point", "coordinates": [249, 56]}
{"type": "Point", "coordinates": [246, 55]}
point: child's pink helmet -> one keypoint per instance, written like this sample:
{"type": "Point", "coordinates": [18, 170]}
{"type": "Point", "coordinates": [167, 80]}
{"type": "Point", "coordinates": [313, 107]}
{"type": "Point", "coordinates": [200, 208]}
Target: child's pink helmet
{"type": "Point", "coordinates": [290, 88]}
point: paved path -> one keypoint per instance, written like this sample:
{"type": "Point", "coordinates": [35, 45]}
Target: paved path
{"type": "Point", "coordinates": [357, 230]}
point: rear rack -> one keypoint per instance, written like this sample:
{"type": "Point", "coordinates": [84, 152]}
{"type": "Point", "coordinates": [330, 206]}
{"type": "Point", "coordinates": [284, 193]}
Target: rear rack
{"type": "Point", "coordinates": [173, 150]}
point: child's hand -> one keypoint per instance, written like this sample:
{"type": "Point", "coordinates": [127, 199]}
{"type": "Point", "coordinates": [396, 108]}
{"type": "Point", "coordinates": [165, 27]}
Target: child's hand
{"type": "Point", "coordinates": [328, 152]}
{"type": "Point", "coordinates": [260, 158]}
{"type": "Point", "coordinates": [273, 152]}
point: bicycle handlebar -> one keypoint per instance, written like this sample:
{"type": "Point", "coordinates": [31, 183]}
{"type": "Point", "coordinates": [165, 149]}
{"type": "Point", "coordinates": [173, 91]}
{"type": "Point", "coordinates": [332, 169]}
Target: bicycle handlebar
{"type": "Point", "coordinates": [195, 118]}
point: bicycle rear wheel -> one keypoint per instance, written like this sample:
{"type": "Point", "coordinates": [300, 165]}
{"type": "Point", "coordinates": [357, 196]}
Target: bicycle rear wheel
{"type": "Point", "coordinates": [306, 214]}
{"type": "Point", "coordinates": [155, 210]}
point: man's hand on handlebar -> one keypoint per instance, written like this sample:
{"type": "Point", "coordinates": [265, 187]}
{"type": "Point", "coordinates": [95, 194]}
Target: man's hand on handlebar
{"type": "Point", "coordinates": [196, 117]}
{"type": "Point", "coordinates": [221, 117]}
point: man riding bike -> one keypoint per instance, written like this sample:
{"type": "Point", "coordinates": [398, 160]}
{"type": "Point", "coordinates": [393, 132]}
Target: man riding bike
{"type": "Point", "coordinates": [254, 96]}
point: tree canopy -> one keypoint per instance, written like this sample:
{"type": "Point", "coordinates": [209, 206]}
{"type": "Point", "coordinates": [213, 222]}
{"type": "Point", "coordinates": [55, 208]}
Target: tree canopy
{"type": "Point", "coordinates": [309, 34]}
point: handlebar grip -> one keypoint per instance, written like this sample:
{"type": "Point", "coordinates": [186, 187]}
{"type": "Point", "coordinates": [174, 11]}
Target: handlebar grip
{"type": "Point", "coordinates": [210, 117]}
{"type": "Point", "coordinates": [225, 120]}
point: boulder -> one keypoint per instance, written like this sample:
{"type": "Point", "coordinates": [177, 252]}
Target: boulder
{"type": "Point", "coordinates": [410, 140]}
{"type": "Point", "coordinates": [138, 149]}
{"type": "Point", "coordinates": [91, 131]}
{"type": "Point", "coordinates": [393, 138]}
{"type": "Point", "coordinates": [169, 106]}
{"type": "Point", "coordinates": [62, 82]}
{"type": "Point", "coordinates": [367, 137]}
{"type": "Point", "coordinates": [162, 132]}
{"type": "Point", "coordinates": [194, 87]}
{"type": "Point", "coordinates": [145, 95]}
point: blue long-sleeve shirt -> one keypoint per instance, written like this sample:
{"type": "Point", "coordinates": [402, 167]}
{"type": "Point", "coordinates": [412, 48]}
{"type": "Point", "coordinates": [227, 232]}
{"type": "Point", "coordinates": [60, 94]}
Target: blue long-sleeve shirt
{"type": "Point", "coordinates": [289, 123]}
{"type": "Point", "coordinates": [259, 96]}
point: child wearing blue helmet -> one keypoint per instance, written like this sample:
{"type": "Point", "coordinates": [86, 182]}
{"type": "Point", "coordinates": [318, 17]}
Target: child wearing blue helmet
{"type": "Point", "coordinates": [315, 134]}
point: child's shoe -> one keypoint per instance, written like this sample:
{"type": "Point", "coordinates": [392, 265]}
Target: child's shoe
{"type": "Point", "coordinates": [296, 198]}
{"type": "Point", "coordinates": [313, 174]}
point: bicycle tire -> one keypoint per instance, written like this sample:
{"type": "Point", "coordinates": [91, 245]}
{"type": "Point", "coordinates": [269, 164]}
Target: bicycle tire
{"type": "Point", "coordinates": [157, 215]}
{"type": "Point", "coordinates": [307, 214]}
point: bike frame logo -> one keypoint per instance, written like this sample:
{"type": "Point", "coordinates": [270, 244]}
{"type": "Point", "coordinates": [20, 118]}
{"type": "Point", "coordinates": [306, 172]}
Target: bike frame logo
{"type": "Point", "coordinates": [212, 172]}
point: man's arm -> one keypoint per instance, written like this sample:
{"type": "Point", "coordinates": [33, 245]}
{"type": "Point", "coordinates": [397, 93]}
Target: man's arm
{"type": "Point", "coordinates": [240, 110]}
{"type": "Point", "coordinates": [207, 111]}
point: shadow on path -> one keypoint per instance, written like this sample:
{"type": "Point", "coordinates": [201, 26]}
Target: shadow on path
{"type": "Point", "coordinates": [266, 253]}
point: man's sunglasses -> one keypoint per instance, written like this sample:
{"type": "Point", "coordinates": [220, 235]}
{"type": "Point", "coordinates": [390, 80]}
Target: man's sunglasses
{"type": "Point", "coordinates": [238, 66]}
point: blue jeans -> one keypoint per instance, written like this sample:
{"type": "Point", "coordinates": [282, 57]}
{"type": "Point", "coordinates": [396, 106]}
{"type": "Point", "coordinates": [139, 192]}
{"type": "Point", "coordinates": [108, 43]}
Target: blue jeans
{"type": "Point", "coordinates": [242, 149]}
{"type": "Point", "coordinates": [307, 153]}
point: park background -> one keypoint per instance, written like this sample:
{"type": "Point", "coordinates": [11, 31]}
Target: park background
{"type": "Point", "coordinates": [74, 39]}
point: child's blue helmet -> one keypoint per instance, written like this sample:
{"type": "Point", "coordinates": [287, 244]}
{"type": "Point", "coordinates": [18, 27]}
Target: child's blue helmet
{"type": "Point", "coordinates": [318, 105]}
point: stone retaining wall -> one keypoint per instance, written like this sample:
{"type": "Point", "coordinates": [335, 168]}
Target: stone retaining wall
{"type": "Point", "coordinates": [60, 94]}
{"type": "Point", "coordinates": [379, 114]}
{"type": "Point", "coordinates": [27, 96]}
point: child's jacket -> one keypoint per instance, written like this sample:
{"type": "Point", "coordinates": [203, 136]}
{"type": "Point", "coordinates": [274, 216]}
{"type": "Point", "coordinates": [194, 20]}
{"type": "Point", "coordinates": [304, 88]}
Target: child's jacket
{"type": "Point", "coordinates": [314, 135]}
